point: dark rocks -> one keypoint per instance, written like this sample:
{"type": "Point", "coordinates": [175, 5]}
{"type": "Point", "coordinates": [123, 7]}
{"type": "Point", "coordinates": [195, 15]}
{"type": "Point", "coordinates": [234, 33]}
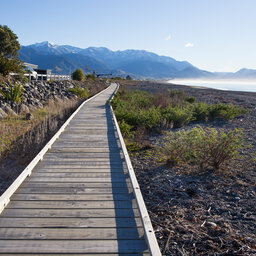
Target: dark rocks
{"type": "Point", "coordinates": [35, 95]}
{"type": "Point", "coordinates": [29, 116]}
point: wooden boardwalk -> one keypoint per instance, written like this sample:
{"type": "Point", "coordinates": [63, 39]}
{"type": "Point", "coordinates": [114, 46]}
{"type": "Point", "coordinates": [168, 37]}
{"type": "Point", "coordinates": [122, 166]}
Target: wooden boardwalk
{"type": "Point", "coordinates": [80, 199]}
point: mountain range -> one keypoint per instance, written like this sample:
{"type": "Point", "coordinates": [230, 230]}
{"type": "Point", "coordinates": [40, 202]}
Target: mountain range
{"type": "Point", "coordinates": [63, 59]}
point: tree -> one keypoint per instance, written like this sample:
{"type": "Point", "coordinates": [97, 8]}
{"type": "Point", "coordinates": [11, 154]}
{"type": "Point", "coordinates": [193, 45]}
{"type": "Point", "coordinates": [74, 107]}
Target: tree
{"type": "Point", "coordinates": [128, 78]}
{"type": "Point", "coordinates": [9, 47]}
{"type": "Point", "coordinates": [78, 75]}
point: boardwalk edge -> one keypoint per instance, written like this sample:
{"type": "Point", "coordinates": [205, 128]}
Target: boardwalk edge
{"type": "Point", "coordinates": [148, 229]}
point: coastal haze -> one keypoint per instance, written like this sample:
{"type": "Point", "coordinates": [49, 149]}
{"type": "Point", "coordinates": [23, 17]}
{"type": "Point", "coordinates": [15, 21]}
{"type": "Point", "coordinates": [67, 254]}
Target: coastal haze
{"type": "Point", "coordinates": [245, 85]}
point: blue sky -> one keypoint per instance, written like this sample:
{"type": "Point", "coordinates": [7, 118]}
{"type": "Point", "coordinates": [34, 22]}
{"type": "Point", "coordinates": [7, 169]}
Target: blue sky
{"type": "Point", "coordinates": [216, 35]}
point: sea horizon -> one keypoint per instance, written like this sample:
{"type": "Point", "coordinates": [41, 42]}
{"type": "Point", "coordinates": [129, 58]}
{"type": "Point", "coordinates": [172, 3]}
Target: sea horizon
{"type": "Point", "coordinates": [243, 85]}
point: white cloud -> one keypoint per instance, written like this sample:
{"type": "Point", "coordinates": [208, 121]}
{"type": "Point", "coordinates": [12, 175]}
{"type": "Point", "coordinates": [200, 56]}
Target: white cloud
{"type": "Point", "coordinates": [168, 38]}
{"type": "Point", "coordinates": [189, 45]}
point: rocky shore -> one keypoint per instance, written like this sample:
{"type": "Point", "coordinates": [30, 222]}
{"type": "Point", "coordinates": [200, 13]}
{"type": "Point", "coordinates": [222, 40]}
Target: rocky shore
{"type": "Point", "coordinates": [209, 212]}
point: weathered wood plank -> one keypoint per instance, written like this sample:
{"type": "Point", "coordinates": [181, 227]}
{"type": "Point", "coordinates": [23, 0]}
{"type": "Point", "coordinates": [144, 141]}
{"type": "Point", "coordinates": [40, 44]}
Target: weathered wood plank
{"type": "Point", "coordinates": [70, 222]}
{"type": "Point", "coordinates": [80, 164]}
{"type": "Point", "coordinates": [80, 161]}
{"type": "Point", "coordinates": [75, 185]}
{"type": "Point", "coordinates": [57, 197]}
{"type": "Point", "coordinates": [85, 149]}
{"type": "Point", "coordinates": [70, 213]}
{"type": "Point", "coordinates": [80, 175]}
{"type": "Point", "coordinates": [69, 179]}
{"type": "Point", "coordinates": [78, 246]}
{"type": "Point", "coordinates": [75, 191]}
{"type": "Point", "coordinates": [63, 154]}
{"type": "Point", "coordinates": [72, 204]}
{"type": "Point", "coordinates": [80, 170]}
{"type": "Point", "coordinates": [71, 233]}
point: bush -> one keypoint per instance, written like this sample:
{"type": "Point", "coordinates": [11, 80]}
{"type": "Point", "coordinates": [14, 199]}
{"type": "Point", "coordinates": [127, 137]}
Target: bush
{"type": "Point", "coordinates": [13, 93]}
{"type": "Point", "coordinates": [191, 99]}
{"type": "Point", "coordinates": [178, 116]}
{"type": "Point", "coordinates": [204, 147]}
{"type": "Point", "coordinates": [91, 76]}
{"type": "Point", "coordinates": [78, 75]}
{"type": "Point", "coordinates": [200, 111]}
{"type": "Point", "coordinates": [126, 129]}
{"type": "Point", "coordinates": [225, 111]}
{"type": "Point", "coordinates": [80, 92]}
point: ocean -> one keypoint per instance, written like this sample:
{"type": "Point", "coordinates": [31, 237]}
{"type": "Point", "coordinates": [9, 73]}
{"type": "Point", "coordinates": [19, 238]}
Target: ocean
{"type": "Point", "coordinates": [230, 85]}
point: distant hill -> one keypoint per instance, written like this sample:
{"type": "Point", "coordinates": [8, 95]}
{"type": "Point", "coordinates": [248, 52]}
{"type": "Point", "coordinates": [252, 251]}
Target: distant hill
{"type": "Point", "coordinates": [63, 59]}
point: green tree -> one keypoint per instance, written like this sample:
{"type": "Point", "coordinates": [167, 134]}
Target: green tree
{"type": "Point", "coordinates": [128, 77]}
{"type": "Point", "coordinates": [9, 47]}
{"type": "Point", "coordinates": [78, 75]}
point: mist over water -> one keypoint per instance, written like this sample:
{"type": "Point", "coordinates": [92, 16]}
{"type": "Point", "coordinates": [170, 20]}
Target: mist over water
{"type": "Point", "coordinates": [223, 84]}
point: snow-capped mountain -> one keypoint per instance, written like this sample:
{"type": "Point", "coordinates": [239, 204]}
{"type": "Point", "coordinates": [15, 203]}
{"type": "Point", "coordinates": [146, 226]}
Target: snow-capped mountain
{"type": "Point", "coordinates": [137, 63]}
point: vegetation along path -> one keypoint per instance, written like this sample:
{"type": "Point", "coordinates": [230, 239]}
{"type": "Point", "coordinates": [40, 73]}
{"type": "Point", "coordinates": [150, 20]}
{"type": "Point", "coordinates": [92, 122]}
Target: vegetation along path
{"type": "Point", "coordinates": [83, 197]}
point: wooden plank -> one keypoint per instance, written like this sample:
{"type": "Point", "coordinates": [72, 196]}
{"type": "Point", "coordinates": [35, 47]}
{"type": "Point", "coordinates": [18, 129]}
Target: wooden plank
{"type": "Point", "coordinates": [84, 144]}
{"type": "Point", "coordinates": [77, 246]}
{"type": "Point", "coordinates": [84, 149]}
{"type": "Point", "coordinates": [75, 185]}
{"type": "Point", "coordinates": [70, 148]}
{"type": "Point", "coordinates": [72, 204]}
{"type": "Point", "coordinates": [80, 161]}
{"type": "Point", "coordinates": [71, 233]}
{"type": "Point", "coordinates": [83, 170]}
{"type": "Point", "coordinates": [70, 213]}
{"type": "Point", "coordinates": [74, 190]}
{"type": "Point", "coordinates": [80, 164]}
{"type": "Point", "coordinates": [69, 222]}
{"type": "Point", "coordinates": [68, 179]}
{"type": "Point", "coordinates": [57, 197]}
{"type": "Point", "coordinates": [80, 175]}
{"type": "Point", "coordinates": [57, 154]}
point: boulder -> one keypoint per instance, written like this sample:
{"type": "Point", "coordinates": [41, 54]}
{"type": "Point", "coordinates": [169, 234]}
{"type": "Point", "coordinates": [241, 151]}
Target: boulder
{"type": "Point", "coordinates": [29, 116]}
{"type": "Point", "coordinates": [22, 108]}
{"type": "Point", "coordinates": [9, 111]}
{"type": "Point", "coordinates": [2, 114]}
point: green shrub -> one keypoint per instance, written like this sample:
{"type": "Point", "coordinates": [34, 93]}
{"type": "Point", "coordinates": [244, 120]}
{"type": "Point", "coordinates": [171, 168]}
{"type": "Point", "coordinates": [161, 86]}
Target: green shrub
{"type": "Point", "coordinates": [126, 129]}
{"type": "Point", "coordinates": [14, 93]}
{"type": "Point", "coordinates": [91, 76]}
{"type": "Point", "coordinates": [78, 75]}
{"type": "Point", "coordinates": [200, 111]}
{"type": "Point", "coordinates": [190, 99]}
{"type": "Point", "coordinates": [225, 111]}
{"type": "Point", "coordinates": [203, 147]}
{"type": "Point", "coordinates": [80, 92]}
{"type": "Point", "coordinates": [178, 116]}
{"type": "Point", "coordinates": [177, 98]}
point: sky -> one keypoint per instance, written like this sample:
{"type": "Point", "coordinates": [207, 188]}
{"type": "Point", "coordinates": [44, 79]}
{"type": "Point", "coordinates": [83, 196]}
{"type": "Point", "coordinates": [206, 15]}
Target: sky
{"type": "Point", "coordinates": [214, 35]}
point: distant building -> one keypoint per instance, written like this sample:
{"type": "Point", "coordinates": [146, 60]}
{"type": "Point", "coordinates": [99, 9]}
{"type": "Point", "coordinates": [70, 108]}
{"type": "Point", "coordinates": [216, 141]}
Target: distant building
{"type": "Point", "coordinates": [33, 66]}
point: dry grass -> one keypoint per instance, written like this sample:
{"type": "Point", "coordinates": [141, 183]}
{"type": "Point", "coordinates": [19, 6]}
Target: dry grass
{"type": "Point", "coordinates": [16, 128]}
